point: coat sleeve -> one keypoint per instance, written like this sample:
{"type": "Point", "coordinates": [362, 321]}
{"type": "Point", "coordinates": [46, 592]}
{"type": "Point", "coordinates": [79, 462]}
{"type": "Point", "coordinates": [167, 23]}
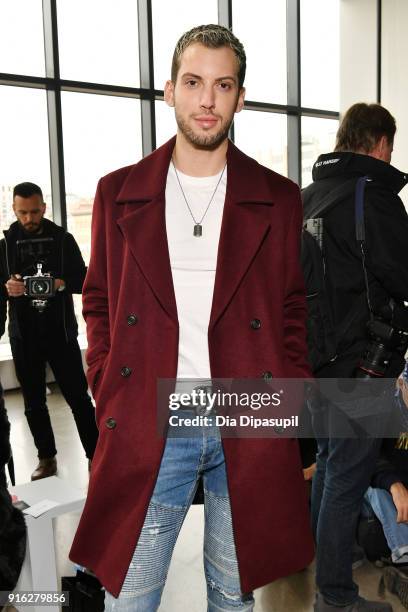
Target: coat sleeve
{"type": "Point", "coordinates": [295, 309]}
{"type": "Point", "coordinates": [74, 269]}
{"type": "Point", "coordinates": [386, 222]}
{"type": "Point", "coordinates": [95, 294]}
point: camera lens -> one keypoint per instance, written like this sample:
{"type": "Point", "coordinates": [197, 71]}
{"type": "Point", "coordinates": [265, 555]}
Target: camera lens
{"type": "Point", "coordinates": [40, 287]}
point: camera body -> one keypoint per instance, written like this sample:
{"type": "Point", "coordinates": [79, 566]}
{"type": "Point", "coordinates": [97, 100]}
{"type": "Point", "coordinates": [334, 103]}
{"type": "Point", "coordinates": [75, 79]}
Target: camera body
{"type": "Point", "coordinates": [40, 286]}
{"type": "Point", "coordinates": [385, 339]}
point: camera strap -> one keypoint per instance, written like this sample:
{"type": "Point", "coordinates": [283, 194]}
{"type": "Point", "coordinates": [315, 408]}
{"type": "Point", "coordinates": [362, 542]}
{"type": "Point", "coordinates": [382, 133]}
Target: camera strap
{"type": "Point", "coordinates": [360, 230]}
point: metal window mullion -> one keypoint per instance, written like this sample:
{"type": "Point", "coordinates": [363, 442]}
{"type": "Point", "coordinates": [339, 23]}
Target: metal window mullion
{"type": "Point", "coordinates": [225, 13]}
{"type": "Point", "coordinates": [293, 88]}
{"type": "Point", "coordinates": [146, 68]}
{"type": "Point", "coordinates": [225, 19]}
{"type": "Point", "coordinates": [54, 112]}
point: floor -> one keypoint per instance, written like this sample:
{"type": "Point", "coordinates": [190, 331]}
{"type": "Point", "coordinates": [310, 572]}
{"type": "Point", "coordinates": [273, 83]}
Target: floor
{"type": "Point", "coordinates": [185, 588]}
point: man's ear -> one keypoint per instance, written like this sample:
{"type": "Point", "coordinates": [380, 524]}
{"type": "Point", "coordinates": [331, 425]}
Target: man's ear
{"type": "Point", "coordinates": [383, 143]}
{"type": "Point", "coordinates": [169, 93]}
{"type": "Point", "coordinates": [241, 100]}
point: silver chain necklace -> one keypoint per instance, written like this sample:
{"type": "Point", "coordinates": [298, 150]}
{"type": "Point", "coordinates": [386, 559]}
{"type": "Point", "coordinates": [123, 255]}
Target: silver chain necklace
{"type": "Point", "coordinates": [198, 228]}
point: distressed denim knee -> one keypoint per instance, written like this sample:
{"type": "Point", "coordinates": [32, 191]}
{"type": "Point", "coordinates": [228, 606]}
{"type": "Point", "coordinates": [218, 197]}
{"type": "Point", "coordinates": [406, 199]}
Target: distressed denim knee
{"type": "Point", "coordinates": [146, 576]}
{"type": "Point", "coordinates": [220, 561]}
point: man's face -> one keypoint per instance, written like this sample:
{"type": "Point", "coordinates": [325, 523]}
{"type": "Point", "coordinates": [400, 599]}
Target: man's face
{"type": "Point", "coordinates": [29, 212]}
{"type": "Point", "coordinates": [206, 94]}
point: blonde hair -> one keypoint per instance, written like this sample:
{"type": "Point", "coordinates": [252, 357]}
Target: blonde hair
{"type": "Point", "coordinates": [213, 36]}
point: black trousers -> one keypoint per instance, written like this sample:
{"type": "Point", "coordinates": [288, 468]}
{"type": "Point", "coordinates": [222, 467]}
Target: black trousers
{"type": "Point", "coordinates": [30, 356]}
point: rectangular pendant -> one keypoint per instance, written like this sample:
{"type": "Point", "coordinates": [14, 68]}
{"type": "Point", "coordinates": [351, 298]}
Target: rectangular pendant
{"type": "Point", "coordinates": [198, 230]}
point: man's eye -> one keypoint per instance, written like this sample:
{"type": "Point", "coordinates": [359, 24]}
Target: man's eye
{"type": "Point", "coordinates": [191, 83]}
{"type": "Point", "coordinates": [225, 86]}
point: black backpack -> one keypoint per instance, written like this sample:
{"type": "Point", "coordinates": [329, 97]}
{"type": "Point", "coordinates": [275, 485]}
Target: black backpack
{"type": "Point", "coordinates": [322, 337]}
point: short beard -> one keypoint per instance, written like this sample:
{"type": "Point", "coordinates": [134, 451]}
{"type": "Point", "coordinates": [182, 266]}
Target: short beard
{"type": "Point", "coordinates": [37, 230]}
{"type": "Point", "coordinates": [209, 142]}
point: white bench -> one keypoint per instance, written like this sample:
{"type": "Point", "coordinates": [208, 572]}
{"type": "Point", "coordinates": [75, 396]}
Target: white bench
{"type": "Point", "coordinates": [39, 571]}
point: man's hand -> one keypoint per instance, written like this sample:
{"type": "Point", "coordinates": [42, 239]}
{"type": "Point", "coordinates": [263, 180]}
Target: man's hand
{"type": "Point", "coordinates": [309, 472]}
{"type": "Point", "coordinates": [400, 498]}
{"type": "Point", "coordinates": [59, 284]}
{"type": "Point", "coordinates": [15, 286]}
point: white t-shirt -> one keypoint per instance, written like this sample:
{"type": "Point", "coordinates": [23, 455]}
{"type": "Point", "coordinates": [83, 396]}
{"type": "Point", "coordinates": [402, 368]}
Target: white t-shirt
{"type": "Point", "coordinates": [193, 262]}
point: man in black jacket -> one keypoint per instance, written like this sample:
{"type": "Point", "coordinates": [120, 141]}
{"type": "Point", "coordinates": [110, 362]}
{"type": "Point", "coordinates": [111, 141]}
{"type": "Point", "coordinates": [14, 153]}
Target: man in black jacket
{"type": "Point", "coordinates": [48, 332]}
{"type": "Point", "coordinates": [344, 466]}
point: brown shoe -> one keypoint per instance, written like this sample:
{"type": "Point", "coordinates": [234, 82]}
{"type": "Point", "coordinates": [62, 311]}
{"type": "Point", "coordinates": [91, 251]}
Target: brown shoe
{"type": "Point", "coordinates": [45, 468]}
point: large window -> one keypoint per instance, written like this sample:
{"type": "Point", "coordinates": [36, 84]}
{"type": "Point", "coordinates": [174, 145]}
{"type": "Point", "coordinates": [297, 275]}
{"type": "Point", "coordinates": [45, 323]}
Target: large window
{"type": "Point", "coordinates": [318, 136]}
{"type": "Point", "coordinates": [22, 39]}
{"type": "Point", "coordinates": [23, 146]}
{"type": "Point", "coordinates": [98, 41]}
{"type": "Point", "coordinates": [170, 19]}
{"type": "Point", "coordinates": [264, 137]}
{"type": "Point", "coordinates": [319, 45]}
{"type": "Point", "coordinates": [81, 90]}
{"type": "Point", "coordinates": [261, 28]}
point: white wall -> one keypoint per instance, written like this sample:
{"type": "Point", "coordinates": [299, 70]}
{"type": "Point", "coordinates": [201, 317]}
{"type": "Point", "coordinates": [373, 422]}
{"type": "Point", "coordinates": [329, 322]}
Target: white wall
{"type": "Point", "coordinates": [358, 52]}
{"type": "Point", "coordinates": [394, 94]}
{"type": "Point", "coordinates": [358, 64]}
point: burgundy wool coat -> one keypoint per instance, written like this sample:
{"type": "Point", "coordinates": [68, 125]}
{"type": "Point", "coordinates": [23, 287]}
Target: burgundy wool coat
{"type": "Point", "coordinates": [132, 327]}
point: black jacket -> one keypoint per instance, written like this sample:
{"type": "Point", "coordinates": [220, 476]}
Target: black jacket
{"type": "Point", "coordinates": [12, 524]}
{"type": "Point", "coordinates": [64, 261]}
{"type": "Point", "coordinates": [386, 228]}
{"type": "Point", "coordinates": [392, 465]}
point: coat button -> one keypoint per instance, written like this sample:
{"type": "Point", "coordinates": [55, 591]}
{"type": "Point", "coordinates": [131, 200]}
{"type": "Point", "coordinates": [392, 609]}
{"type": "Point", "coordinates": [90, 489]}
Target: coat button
{"type": "Point", "coordinates": [125, 372]}
{"type": "Point", "coordinates": [110, 423]}
{"type": "Point", "coordinates": [255, 323]}
{"type": "Point", "coordinates": [131, 320]}
{"type": "Point", "coordinates": [267, 375]}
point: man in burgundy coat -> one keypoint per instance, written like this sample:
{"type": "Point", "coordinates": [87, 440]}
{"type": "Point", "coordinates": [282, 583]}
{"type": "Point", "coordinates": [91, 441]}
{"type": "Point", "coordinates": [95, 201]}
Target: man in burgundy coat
{"type": "Point", "coordinates": [194, 274]}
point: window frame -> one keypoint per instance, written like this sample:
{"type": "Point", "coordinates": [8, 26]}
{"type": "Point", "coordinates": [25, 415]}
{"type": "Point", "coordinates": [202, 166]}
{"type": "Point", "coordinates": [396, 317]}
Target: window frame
{"type": "Point", "coordinates": [148, 94]}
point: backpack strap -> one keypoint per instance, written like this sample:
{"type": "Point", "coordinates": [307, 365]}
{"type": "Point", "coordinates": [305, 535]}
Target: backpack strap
{"type": "Point", "coordinates": [332, 198]}
{"type": "Point", "coordinates": [359, 207]}
{"type": "Point", "coordinates": [360, 231]}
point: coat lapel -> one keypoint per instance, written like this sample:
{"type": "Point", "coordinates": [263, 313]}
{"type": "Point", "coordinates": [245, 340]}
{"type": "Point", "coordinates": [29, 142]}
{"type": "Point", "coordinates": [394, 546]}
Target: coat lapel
{"type": "Point", "coordinates": [144, 227]}
{"type": "Point", "coordinates": [244, 227]}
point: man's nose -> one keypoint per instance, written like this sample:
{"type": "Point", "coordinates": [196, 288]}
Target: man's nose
{"type": "Point", "coordinates": [207, 97]}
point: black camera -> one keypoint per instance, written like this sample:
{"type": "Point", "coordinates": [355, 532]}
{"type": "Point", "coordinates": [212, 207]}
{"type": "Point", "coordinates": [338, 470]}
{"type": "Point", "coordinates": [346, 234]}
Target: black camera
{"type": "Point", "coordinates": [39, 287]}
{"type": "Point", "coordinates": [386, 338]}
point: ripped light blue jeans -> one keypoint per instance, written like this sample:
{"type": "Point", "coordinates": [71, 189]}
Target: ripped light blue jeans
{"type": "Point", "coordinates": [184, 461]}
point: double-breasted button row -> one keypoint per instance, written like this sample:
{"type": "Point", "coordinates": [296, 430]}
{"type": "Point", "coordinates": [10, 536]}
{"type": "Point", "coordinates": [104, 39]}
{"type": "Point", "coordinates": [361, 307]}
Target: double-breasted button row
{"type": "Point", "coordinates": [267, 375]}
{"type": "Point", "coordinates": [131, 320]}
{"type": "Point", "coordinates": [255, 323]}
{"type": "Point", "coordinates": [125, 371]}
{"type": "Point", "coordinates": [110, 423]}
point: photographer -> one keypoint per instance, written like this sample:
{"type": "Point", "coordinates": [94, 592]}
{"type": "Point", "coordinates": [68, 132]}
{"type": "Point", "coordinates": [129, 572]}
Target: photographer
{"type": "Point", "coordinates": [43, 327]}
{"type": "Point", "coordinates": [367, 284]}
